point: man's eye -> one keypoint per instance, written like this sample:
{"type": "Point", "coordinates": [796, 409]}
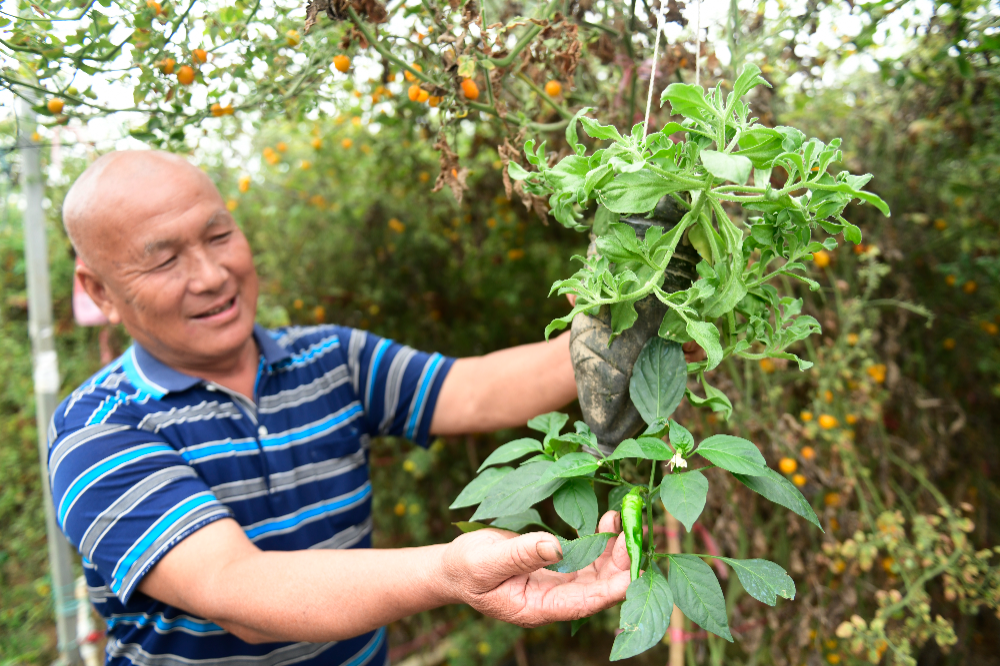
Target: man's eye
{"type": "Point", "coordinates": [166, 263]}
{"type": "Point", "coordinates": [221, 237]}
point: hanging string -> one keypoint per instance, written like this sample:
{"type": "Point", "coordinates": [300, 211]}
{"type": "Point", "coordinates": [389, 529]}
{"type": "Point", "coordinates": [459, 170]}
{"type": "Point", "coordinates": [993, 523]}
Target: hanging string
{"type": "Point", "coordinates": [697, 43]}
{"type": "Point", "coordinates": [652, 72]}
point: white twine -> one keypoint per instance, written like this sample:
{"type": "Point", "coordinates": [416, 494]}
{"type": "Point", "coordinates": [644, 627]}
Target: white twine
{"type": "Point", "coordinates": [652, 72]}
{"type": "Point", "coordinates": [697, 43]}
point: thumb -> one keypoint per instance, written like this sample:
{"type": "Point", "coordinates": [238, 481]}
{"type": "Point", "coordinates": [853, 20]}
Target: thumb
{"type": "Point", "coordinates": [526, 553]}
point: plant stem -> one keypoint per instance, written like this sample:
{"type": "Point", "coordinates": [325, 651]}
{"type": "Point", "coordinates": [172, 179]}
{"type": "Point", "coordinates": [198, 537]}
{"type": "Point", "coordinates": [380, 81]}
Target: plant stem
{"type": "Point", "coordinates": [524, 41]}
{"type": "Point", "coordinates": [918, 584]}
{"type": "Point", "coordinates": [541, 93]}
{"type": "Point", "coordinates": [384, 52]}
{"type": "Point", "coordinates": [919, 476]}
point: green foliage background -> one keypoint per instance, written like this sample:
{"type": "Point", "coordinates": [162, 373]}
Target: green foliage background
{"type": "Point", "coordinates": [357, 238]}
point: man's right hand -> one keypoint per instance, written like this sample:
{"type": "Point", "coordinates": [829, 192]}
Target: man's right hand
{"type": "Point", "coordinates": [502, 575]}
{"type": "Point", "coordinates": [323, 595]}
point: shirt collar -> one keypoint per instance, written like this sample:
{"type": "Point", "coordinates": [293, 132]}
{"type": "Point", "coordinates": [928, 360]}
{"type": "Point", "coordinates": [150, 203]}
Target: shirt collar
{"type": "Point", "coordinates": [148, 373]}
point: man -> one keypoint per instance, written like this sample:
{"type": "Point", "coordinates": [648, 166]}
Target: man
{"type": "Point", "coordinates": [215, 477]}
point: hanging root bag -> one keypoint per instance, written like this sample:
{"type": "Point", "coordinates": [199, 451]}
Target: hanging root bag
{"type": "Point", "coordinates": [603, 371]}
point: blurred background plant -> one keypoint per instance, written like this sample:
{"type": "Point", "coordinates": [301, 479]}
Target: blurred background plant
{"type": "Point", "coordinates": [891, 435]}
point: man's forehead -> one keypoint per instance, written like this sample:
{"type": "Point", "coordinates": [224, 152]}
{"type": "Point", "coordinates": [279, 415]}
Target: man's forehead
{"type": "Point", "coordinates": [125, 195]}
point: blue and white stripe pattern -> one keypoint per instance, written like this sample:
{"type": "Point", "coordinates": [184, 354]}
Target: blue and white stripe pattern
{"type": "Point", "coordinates": [141, 456]}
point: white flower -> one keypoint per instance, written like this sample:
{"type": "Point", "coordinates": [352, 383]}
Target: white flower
{"type": "Point", "coordinates": [677, 461]}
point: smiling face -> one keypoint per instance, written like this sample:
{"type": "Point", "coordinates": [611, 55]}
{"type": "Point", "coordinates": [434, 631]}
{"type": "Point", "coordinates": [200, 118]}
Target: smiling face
{"type": "Point", "coordinates": [165, 258]}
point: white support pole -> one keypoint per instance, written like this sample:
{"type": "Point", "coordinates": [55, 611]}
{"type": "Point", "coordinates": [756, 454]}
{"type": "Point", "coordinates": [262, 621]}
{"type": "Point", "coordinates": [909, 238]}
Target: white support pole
{"type": "Point", "coordinates": [46, 375]}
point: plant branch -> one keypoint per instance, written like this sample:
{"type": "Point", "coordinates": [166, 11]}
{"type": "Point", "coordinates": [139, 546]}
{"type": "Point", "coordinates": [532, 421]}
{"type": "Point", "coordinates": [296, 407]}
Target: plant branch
{"type": "Point", "coordinates": [386, 53]}
{"type": "Point", "coordinates": [79, 16]}
{"type": "Point", "coordinates": [563, 111]}
{"type": "Point", "coordinates": [918, 586]}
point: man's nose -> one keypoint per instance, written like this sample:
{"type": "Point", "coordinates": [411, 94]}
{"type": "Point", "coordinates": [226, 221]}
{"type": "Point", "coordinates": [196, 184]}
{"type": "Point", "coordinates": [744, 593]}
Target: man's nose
{"type": "Point", "coordinates": [207, 273]}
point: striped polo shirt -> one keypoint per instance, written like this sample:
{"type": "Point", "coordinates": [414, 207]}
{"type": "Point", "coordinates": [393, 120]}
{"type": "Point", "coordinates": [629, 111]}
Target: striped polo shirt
{"type": "Point", "coordinates": [142, 455]}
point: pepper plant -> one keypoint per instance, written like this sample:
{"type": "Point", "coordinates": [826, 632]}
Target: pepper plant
{"type": "Point", "coordinates": [793, 193]}
{"type": "Point", "coordinates": [706, 173]}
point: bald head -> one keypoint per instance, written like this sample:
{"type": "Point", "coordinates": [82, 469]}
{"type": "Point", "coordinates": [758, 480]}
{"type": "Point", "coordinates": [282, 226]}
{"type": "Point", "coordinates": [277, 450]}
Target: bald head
{"type": "Point", "coordinates": [122, 189]}
{"type": "Point", "coordinates": [163, 256]}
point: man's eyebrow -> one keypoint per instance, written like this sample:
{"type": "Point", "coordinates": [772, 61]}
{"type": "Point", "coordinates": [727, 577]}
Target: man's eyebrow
{"type": "Point", "coordinates": [153, 247]}
{"type": "Point", "coordinates": [218, 218]}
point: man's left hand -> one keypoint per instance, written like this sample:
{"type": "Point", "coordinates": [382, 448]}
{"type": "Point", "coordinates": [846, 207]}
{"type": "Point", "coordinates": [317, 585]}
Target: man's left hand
{"type": "Point", "coordinates": [502, 575]}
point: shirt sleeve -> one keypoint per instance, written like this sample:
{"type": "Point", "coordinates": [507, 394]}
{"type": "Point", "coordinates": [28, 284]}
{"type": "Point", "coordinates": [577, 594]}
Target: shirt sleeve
{"type": "Point", "coordinates": [398, 386]}
{"type": "Point", "coordinates": [124, 498]}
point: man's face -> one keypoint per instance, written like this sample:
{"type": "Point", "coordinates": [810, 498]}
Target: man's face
{"type": "Point", "coordinates": [178, 273]}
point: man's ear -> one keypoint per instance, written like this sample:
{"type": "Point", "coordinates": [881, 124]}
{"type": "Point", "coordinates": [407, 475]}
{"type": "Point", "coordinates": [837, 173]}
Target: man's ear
{"type": "Point", "coordinates": [98, 292]}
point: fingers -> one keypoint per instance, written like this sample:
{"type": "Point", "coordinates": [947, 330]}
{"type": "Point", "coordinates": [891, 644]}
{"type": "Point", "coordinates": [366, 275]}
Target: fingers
{"type": "Point", "coordinates": [610, 522]}
{"type": "Point", "coordinates": [572, 300]}
{"type": "Point", "coordinates": [578, 599]}
{"type": "Point", "coordinates": [612, 561]}
{"type": "Point", "coordinates": [693, 352]}
{"type": "Point", "coordinates": [524, 554]}
{"type": "Point", "coordinates": [619, 556]}
{"type": "Point", "coordinates": [612, 592]}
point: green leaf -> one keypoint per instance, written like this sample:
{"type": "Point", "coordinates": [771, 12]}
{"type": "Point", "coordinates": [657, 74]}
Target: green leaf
{"type": "Point", "coordinates": [550, 423]}
{"type": "Point", "coordinates": [793, 138]}
{"type": "Point", "coordinates": [516, 171]}
{"type": "Point", "coordinates": [569, 174]}
{"type": "Point", "coordinates": [615, 496]}
{"type": "Point", "coordinates": [683, 496]}
{"type": "Point", "coordinates": [715, 399]}
{"type": "Point", "coordinates": [480, 487]}
{"type": "Point", "coordinates": [623, 316]}
{"type": "Point", "coordinates": [697, 593]}
{"type": "Point", "coordinates": [512, 451]}
{"type": "Point", "coordinates": [603, 219]}
{"type": "Point", "coordinates": [735, 454]}
{"type": "Point", "coordinates": [852, 233]}
{"type": "Point", "coordinates": [659, 378]}
{"type": "Point", "coordinates": [571, 137]}
{"type": "Point", "coordinates": [574, 464]}
{"type": "Point", "coordinates": [681, 438]}
{"type": "Point", "coordinates": [734, 168]}
{"type": "Point", "coordinates": [467, 526]}
{"type": "Point", "coordinates": [518, 491]}
{"type": "Point", "coordinates": [596, 130]}
{"type": "Point", "coordinates": [780, 490]}
{"type": "Point", "coordinates": [576, 503]}
{"type": "Point", "coordinates": [868, 197]}
{"type": "Point", "coordinates": [687, 100]}
{"type": "Point", "coordinates": [647, 448]}
{"type": "Point", "coordinates": [580, 553]}
{"type": "Point", "coordinates": [674, 327]}
{"type": "Point", "coordinates": [749, 79]}
{"type": "Point", "coordinates": [575, 625]}
{"type": "Point", "coordinates": [761, 146]}
{"type": "Point", "coordinates": [636, 192]}
{"type": "Point", "coordinates": [763, 580]}
{"type": "Point", "coordinates": [645, 615]}
{"type": "Point", "coordinates": [657, 429]}
{"type": "Point", "coordinates": [707, 335]}
{"type": "Point", "coordinates": [519, 521]}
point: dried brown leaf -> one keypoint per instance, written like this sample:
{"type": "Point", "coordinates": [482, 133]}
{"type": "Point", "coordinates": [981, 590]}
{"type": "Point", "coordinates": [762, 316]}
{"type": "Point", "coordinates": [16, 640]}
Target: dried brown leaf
{"type": "Point", "coordinates": [452, 174]}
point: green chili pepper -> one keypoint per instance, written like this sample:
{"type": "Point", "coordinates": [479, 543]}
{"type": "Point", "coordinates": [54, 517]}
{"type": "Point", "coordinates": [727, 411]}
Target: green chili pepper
{"type": "Point", "coordinates": [632, 506]}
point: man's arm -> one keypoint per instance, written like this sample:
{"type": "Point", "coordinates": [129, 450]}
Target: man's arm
{"type": "Point", "coordinates": [508, 387]}
{"type": "Point", "coordinates": [324, 595]}
{"type": "Point", "coordinates": [505, 389]}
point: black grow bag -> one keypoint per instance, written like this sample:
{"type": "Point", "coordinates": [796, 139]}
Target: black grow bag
{"type": "Point", "coordinates": [603, 372]}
